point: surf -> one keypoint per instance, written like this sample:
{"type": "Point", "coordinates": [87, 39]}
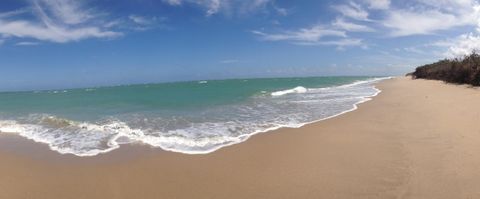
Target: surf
{"type": "Point", "coordinates": [200, 129]}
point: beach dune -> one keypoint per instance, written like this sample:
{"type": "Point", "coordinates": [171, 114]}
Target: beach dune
{"type": "Point", "coordinates": [416, 139]}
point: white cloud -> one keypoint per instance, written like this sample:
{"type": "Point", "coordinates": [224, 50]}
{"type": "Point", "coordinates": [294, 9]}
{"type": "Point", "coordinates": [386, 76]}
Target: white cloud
{"type": "Point", "coordinates": [429, 17]}
{"type": "Point", "coordinates": [404, 23]}
{"type": "Point", "coordinates": [353, 10]}
{"type": "Point", "coordinates": [142, 23]}
{"type": "Point", "coordinates": [53, 33]}
{"type": "Point", "coordinates": [340, 43]}
{"type": "Point", "coordinates": [139, 19]}
{"type": "Point", "coordinates": [378, 4]}
{"type": "Point", "coordinates": [228, 7]}
{"type": "Point", "coordinates": [281, 11]}
{"type": "Point", "coordinates": [27, 43]}
{"type": "Point", "coordinates": [464, 45]}
{"type": "Point", "coordinates": [13, 13]}
{"type": "Point", "coordinates": [313, 34]}
{"type": "Point", "coordinates": [56, 21]}
{"type": "Point", "coordinates": [113, 23]}
{"type": "Point", "coordinates": [340, 23]}
{"type": "Point", "coordinates": [67, 11]}
{"type": "Point", "coordinates": [173, 2]}
{"type": "Point", "coordinates": [213, 7]}
{"type": "Point", "coordinates": [456, 6]}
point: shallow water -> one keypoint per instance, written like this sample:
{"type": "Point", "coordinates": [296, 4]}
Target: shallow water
{"type": "Point", "coordinates": [188, 117]}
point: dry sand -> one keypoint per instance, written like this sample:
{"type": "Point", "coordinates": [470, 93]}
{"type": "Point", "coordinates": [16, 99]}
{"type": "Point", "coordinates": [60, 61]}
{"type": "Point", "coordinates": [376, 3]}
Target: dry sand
{"type": "Point", "coordinates": [417, 139]}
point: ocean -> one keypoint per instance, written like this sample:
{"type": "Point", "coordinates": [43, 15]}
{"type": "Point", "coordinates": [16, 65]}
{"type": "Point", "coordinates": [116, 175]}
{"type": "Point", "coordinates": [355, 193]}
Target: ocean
{"type": "Point", "coordinates": [195, 117]}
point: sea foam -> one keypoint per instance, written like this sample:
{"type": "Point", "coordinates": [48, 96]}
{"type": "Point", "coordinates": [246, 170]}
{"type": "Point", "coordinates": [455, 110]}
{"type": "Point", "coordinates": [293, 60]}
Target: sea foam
{"type": "Point", "coordinates": [298, 89]}
{"type": "Point", "coordinates": [211, 130]}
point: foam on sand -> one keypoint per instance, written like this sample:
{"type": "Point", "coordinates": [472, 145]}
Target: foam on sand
{"type": "Point", "coordinates": [213, 129]}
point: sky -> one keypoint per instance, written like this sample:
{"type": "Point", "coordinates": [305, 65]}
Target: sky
{"type": "Point", "coordinates": [51, 44]}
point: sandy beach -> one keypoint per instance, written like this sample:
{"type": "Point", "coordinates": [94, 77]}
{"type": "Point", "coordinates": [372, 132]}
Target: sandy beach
{"type": "Point", "coordinates": [416, 139]}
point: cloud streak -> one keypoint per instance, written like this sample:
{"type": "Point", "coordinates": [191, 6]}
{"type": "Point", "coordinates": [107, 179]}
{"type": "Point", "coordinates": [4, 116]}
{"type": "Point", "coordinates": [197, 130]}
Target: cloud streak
{"type": "Point", "coordinates": [67, 11]}
{"type": "Point", "coordinates": [405, 23]}
{"type": "Point", "coordinates": [353, 11]}
{"type": "Point", "coordinates": [378, 4]}
{"type": "Point", "coordinates": [428, 17]}
{"type": "Point", "coordinates": [58, 21]}
{"type": "Point", "coordinates": [342, 24]}
{"type": "Point", "coordinates": [27, 43]}
{"type": "Point", "coordinates": [228, 7]}
{"type": "Point", "coordinates": [314, 36]}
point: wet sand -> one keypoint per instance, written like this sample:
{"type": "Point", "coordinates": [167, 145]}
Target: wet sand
{"type": "Point", "coordinates": [416, 139]}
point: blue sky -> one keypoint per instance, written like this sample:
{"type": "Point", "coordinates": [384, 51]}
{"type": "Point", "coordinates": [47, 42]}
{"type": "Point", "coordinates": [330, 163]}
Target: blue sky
{"type": "Point", "coordinates": [47, 44]}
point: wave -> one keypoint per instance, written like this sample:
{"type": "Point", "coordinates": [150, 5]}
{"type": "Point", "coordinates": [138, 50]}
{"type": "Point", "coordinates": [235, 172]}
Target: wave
{"type": "Point", "coordinates": [298, 89]}
{"type": "Point", "coordinates": [301, 106]}
{"type": "Point", "coordinates": [301, 89]}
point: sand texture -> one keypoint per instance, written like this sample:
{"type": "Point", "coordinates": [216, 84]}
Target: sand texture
{"type": "Point", "coordinates": [416, 139]}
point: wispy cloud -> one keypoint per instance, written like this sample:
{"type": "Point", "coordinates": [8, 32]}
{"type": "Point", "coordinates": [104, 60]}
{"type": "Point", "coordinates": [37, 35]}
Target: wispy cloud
{"type": "Point", "coordinates": [139, 19]}
{"type": "Point", "coordinates": [428, 17]}
{"type": "Point", "coordinates": [67, 11]}
{"type": "Point", "coordinates": [353, 10]}
{"type": "Point", "coordinates": [211, 6]}
{"type": "Point", "coordinates": [404, 22]}
{"type": "Point", "coordinates": [57, 21]}
{"type": "Point", "coordinates": [341, 44]}
{"type": "Point", "coordinates": [173, 2]}
{"type": "Point", "coordinates": [342, 24]}
{"type": "Point", "coordinates": [13, 13]}
{"type": "Point", "coordinates": [378, 4]}
{"type": "Point", "coordinates": [417, 17]}
{"type": "Point", "coordinates": [27, 43]}
{"type": "Point", "coordinates": [313, 34]}
{"type": "Point", "coordinates": [228, 7]}
{"type": "Point", "coordinates": [142, 23]}
{"type": "Point", "coordinates": [463, 45]}
{"type": "Point", "coordinates": [441, 15]}
{"type": "Point", "coordinates": [281, 11]}
{"type": "Point", "coordinates": [51, 32]}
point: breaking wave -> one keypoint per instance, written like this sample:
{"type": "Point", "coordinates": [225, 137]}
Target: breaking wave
{"type": "Point", "coordinates": [202, 133]}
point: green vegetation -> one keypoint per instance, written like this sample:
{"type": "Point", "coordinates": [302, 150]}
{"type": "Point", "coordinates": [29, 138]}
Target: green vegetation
{"type": "Point", "coordinates": [464, 70]}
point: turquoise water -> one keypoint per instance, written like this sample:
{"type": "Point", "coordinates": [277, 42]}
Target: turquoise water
{"type": "Point", "coordinates": [189, 117]}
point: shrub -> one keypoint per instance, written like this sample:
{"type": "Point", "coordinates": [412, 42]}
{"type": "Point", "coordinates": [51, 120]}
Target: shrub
{"type": "Point", "coordinates": [464, 70]}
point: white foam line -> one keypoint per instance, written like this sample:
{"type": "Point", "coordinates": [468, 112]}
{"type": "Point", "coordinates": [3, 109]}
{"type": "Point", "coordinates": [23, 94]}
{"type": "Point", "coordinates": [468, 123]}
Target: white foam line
{"type": "Point", "coordinates": [247, 136]}
{"type": "Point", "coordinates": [298, 89]}
{"type": "Point", "coordinates": [113, 144]}
{"type": "Point", "coordinates": [24, 133]}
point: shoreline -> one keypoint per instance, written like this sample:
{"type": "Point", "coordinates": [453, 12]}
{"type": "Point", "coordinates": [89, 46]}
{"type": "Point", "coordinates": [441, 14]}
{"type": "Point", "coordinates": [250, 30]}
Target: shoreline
{"type": "Point", "coordinates": [414, 140]}
{"type": "Point", "coordinates": [242, 138]}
